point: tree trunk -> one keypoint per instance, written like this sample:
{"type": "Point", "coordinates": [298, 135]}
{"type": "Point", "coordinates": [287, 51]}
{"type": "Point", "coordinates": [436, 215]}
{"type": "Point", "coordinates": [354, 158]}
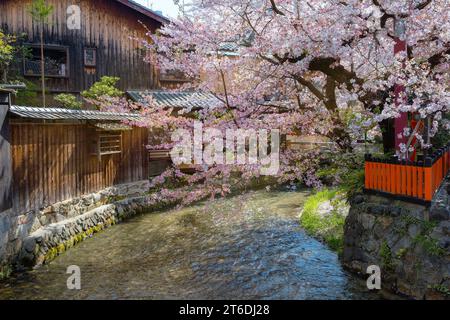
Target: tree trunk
{"type": "Point", "coordinates": [4, 75]}
{"type": "Point", "coordinates": [341, 137]}
{"type": "Point", "coordinates": [388, 132]}
{"type": "Point", "coordinates": [339, 134]}
{"type": "Point", "coordinates": [42, 66]}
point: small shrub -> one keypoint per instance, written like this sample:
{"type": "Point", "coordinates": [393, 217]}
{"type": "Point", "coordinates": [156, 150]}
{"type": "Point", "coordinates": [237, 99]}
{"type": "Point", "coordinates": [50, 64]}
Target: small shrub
{"type": "Point", "coordinates": [27, 96]}
{"type": "Point", "coordinates": [6, 53]}
{"type": "Point", "coordinates": [105, 87]}
{"type": "Point", "coordinates": [68, 101]}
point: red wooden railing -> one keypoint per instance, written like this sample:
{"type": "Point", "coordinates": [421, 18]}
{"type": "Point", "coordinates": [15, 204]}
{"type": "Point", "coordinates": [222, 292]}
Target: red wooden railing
{"type": "Point", "coordinates": [417, 181]}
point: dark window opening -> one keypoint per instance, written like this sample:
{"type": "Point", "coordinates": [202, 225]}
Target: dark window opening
{"type": "Point", "coordinates": [55, 62]}
{"type": "Point", "coordinates": [90, 57]}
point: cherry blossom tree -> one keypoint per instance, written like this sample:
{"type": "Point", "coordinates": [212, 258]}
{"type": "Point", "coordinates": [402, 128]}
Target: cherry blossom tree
{"type": "Point", "coordinates": [299, 66]}
{"type": "Point", "coordinates": [312, 58]}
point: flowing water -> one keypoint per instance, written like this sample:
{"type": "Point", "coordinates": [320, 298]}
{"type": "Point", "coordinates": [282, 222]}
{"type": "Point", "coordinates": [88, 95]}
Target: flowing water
{"type": "Point", "coordinates": [246, 247]}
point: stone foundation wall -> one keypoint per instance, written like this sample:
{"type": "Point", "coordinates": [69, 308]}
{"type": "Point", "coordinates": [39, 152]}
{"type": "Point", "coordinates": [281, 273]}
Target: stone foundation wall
{"type": "Point", "coordinates": [43, 245]}
{"type": "Point", "coordinates": [410, 243]}
{"type": "Point", "coordinates": [16, 228]}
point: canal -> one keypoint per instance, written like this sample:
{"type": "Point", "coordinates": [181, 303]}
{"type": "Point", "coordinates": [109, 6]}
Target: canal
{"type": "Point", "coordinates": [249, 246]}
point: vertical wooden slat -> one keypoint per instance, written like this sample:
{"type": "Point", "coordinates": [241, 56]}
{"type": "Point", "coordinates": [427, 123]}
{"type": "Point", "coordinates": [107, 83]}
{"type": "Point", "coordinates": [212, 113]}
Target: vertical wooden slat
{"type": "Point", "coordinates": [434, 177]}
{"type": "Point", "coordinates": [408, 180]}
{"type": "Point", "coordinates": [46, 165]}
{"type": "Point", "coordinates": [27, 168]}
{"type": "Point", "coordinates": [60, 159]}
{"type": "Point", "coordinates": [51, 163]}
{"type": "Point", "coordinates": [17, 158]}
{"type": "Point", "coordinates": [392, 177]}
{"type": "Point", "coordinates": [404, 175]}
{"type": "Point", "coordinates": [382, 176]}
{"type": "Point", "coordinates": [388, 178]}
{"type": "Point", "coordinates": [41, 161]}
{"type": "Point", "coordinates": [420, 188]}
{"type": "Point", "coordinates": [428, 179]}
{"type": "Point", "coordinates": [414, 181]}
{"type": "Point", "coordinates": [31, 179]}
{"type": "Point", "coordinates": [62, 172]}
{"type": "Point", "coordinates": [377, 176]}
{"type": "Point", "coordinates": [54, 163]}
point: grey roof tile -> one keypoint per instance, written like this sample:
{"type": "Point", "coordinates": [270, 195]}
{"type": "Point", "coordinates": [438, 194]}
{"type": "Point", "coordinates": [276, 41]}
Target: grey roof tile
{"type": "Point", "coordinates": [68, 114]}
{"type": "Point", "coordinates": [183, 100]}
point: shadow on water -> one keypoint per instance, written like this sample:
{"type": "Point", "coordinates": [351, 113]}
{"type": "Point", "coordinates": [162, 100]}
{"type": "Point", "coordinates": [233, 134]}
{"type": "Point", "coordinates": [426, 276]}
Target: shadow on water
{"type": "Point", "coordinates": [246, 247]}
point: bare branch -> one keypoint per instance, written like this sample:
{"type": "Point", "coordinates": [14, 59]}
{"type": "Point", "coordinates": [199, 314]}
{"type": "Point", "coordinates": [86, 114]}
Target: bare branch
{"type": "Point", "coordinates": [310, 86]}
{"type": "Point", "coordinates": [275, 8]}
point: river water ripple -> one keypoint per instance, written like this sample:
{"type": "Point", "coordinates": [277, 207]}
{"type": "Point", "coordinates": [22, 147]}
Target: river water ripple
{"type": "Point", "coordinates": [246, 247]}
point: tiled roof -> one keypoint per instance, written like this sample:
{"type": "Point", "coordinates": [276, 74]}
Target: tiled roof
{"type": "Point", "coordinates": [185, 100]}
{"type": "Point", "coordinates": [68, 114]}
{"type": "Point", "coordinates": [229, 49]}
{"type": "Point", "coordinates": [229, 46]}
{"type": "Point", "coordinates": [6, 87]}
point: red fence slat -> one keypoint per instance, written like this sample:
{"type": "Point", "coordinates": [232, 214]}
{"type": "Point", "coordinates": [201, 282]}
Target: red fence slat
{"type": "Point", "coordinates": [418, 180]}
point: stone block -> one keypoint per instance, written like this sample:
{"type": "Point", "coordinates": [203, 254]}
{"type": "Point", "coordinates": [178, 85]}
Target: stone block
{"type": "Point", "coordinates": [439, 214]}
{"type": "Point", "coordinates": [29, 244]}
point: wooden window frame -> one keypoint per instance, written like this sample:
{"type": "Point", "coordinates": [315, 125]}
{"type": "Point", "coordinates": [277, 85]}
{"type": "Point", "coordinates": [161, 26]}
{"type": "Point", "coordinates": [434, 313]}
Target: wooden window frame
{"type": "Point", "coordinates": [107, 143]}
{"type": "Point", "coordinates": [90, 64]}
{"type": "Point", "coordinates": [49, 47]}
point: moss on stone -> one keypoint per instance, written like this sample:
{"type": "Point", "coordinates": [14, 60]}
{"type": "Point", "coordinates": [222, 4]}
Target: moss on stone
{"type": "Point", "coordinates": [401, 253]}
{"type": "Point", "coordinates": [53, 252]}
{"type": "Point", "coordinates": [441, 289]}
{"type": "Point", "coordinates": [69, 243]}
{"type": "Point", "coordinates": [89, 232]}
{"type": "Point", "coordinates": [5, 272]}
{"type": "Point", "coordinates": [61, 248]}
{"type": "Point", "coordinates": [430, 245]}
{"type": "Point", "coordinates": [110, 222]}
{"type": "Point", "coordinates": [386, 256]}
{"type": "Point", "coordinates": [78, 238]}
{"type": "Point", "coordinates": [50, 255]}
{"type": "Point", "coordinates": [426, 226]}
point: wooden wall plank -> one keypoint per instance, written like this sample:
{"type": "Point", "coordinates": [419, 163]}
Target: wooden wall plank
{"type": "Point", "coordinates": [51, 163]}
{"type": "Point", "coordinates": [105, 25]}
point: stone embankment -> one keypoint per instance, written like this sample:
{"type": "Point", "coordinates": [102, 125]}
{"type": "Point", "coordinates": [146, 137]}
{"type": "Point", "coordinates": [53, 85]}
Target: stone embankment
{"type": "Point", "coordinates": [43, 245]}
{"type": "Point", "coordinates": [410, 243]}
{"type": "Point", "coordinates": [38, 236]}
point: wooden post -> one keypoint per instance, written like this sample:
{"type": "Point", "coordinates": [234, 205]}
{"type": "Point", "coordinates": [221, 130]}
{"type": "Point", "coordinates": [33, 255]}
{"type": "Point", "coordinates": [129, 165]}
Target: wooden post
{"type": "Point", "coordinates": [5, 153]}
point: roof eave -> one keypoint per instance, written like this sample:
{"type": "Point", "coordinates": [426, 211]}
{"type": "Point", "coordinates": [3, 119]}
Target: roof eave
{"type": "Point", "coordinates": [68, 114]}
{"type": "Point", "coordinates": [145, 11]}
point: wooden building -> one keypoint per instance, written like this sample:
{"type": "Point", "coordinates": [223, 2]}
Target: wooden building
{"type": "Point", "coordinates": [5, 152]}
{"type": "Point", "coordinates": [105, 44]}
{"type": "Point", "coordinates": [59, 154]}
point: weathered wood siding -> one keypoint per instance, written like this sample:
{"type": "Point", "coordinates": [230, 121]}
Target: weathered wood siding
{"type": "Point", "coordinates": [106, 25]}
{"type": "Point", "coordinates": [5, 157]}
{"type": "Point", "coordinates": [52, 163]}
